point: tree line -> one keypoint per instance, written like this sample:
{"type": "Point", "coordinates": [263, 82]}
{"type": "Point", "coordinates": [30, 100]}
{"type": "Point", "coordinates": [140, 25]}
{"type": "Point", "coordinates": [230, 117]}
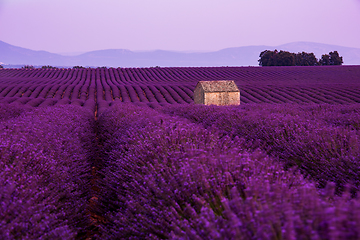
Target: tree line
{"type": "Point", "coordinates": [284, 58]}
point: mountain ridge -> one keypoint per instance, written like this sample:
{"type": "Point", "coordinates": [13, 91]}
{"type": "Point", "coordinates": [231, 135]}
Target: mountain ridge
{"type": "Point", "coordinates": [234, 56]}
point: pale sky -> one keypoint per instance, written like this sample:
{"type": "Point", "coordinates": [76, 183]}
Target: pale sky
{"type": "Point", "coordinates": [60, 26]}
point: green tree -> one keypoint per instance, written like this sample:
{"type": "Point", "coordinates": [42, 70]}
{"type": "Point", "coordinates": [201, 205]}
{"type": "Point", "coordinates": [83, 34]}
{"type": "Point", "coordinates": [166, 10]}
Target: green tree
{"type": "Point", "coordinates": [305, 59]}
{"type": "Point", "coordinates": [1, 66]}
{"type": "Point", "coordinates": [325, 59]}
{"type": "Point", "coordinates": [335, 59]}
{"type": "Point", "coordinates": [48, 67]}
{"type": "Point", "coordinates": [28, 67]}
{"type": "Point", "coordinates": [332, 58]}
{"type": "Point", "coordinates": [267, 58]}
{"type": "Point", "coordinates": [285, 58]}
{"type": "Point", "coordinates": [275, 58]}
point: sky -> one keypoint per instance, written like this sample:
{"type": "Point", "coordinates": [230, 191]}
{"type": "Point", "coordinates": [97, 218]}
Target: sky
{"type": "Point", "coordinates": [68, 26]}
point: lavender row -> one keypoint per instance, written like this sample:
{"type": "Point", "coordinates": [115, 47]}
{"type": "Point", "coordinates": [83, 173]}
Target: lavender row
{"type": "Point", "coordinates": [322, 140]}
{"type": "Point", "coordinates": [166, 178]}
{"type": "Point", "coordinates": [45, 172]}
{"type": "Point", "coordinates": [12, 111]}
{"type": "Point", "coordinates": [101, 91]}
{"type": "Point", "coordinates": [84, 92]}
{"type": "Point", "coordinates": [280, 75]}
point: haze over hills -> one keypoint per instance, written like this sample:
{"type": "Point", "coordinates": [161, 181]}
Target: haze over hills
{"type": "Point", "coordinates": [237, 56]}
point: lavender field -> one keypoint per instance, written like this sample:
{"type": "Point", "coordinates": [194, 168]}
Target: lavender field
{"type": "Point", "coordinates": [97, 89]}
{"type": "Point", "coordinates": [125, 154]}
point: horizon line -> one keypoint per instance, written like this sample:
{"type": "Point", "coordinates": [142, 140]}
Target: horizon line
{"type": "Point", "coordinates": [77, 53]}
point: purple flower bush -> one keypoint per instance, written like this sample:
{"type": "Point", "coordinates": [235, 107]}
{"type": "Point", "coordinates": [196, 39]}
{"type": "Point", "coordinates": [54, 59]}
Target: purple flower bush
{"type": "Point", "coordinates": [179, 171]}
{"type": "Point", "coordinates": [323, 140]}
{"type": "Point", "coordinates": [167, 178]}
{"type": "Point", "coordinates": [45, 171]}
{"type": "Point", "coordinates": [13, 110]}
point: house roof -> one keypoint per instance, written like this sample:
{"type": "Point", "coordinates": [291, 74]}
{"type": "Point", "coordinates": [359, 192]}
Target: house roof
{"type": "Point", "coordinates": [218, 86]}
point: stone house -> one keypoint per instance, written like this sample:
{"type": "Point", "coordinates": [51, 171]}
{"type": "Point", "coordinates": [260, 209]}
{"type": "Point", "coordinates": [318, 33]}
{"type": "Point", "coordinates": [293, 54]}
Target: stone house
{"type": "Point", "coordinates": [223, 92]}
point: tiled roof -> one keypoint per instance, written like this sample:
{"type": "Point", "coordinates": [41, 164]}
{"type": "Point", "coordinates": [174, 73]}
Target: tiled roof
{"type": "Point", "coordinates": [218, 86]}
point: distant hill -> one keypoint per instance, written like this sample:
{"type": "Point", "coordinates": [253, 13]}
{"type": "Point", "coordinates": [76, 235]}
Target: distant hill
{"type": "Point", "coordinates": [237, 56]}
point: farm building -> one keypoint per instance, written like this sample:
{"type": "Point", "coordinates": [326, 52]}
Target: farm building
{"type": "Point", "coordinates": [217, 93]}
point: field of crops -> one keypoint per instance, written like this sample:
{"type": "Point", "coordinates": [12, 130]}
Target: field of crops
{"type": "Point", "coordinates": [124, 154]}
{"type": "Point", "coordinates": [98, 88]}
